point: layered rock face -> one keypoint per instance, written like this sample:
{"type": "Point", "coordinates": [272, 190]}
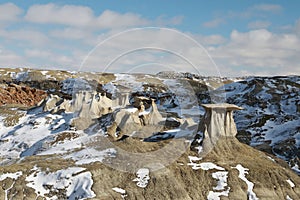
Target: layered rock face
{"type": "Point", "coordinates": [217, 122]}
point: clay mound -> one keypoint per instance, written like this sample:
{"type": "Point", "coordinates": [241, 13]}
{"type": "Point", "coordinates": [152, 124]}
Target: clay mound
{"type": "Point", "coordinates": [23, 95]}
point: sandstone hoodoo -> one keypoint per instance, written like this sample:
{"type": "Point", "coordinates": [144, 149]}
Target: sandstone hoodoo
{"type": "Point", "coordinates": [141, 122]}
{"type": "Point", "coordinates": [217, 122]}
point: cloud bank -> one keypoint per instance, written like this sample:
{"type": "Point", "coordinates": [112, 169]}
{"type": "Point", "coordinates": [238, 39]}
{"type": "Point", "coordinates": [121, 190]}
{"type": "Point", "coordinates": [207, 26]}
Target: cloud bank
{"type": "Point", "coordinates": [61, 36]}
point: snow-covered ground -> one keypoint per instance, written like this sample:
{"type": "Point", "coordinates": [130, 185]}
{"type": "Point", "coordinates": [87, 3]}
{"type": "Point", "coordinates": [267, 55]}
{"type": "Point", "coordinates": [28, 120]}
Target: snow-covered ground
{"type": "Point", "coordinates": [76, 183]}
{"type": "Point", "coordinates": [270, 115]}
{"type": "Point", "coordinates": [14, 177]}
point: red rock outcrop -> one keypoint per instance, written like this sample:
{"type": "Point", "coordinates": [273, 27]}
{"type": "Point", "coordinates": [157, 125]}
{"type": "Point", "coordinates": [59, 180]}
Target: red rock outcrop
{"type": "Point", "coordinates": [23, 95]}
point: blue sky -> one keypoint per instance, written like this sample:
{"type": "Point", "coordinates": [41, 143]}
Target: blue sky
{"type": "Point", "coordinates": [242, 37]}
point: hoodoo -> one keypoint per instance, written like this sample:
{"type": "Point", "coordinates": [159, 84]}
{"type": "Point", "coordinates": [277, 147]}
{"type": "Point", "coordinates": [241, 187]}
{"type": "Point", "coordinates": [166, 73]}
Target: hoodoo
{"type": "Point", "coordinates": [217, 122]}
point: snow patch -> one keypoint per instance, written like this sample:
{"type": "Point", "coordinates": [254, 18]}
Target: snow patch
{"type": "Point", "coordinates": [195, 166]}
{"type": "Point", "coordinates": [291, 183]}
{"type": "Point", "coordinates": [44, 72]}
{"type": "Point", "coordinates": [75, 84]}
{"type": "Point", "coordinates": [271, 158]}
{"type": "Point", "coordinates": [76, 183]}
{"type": "Point", "coordinates": [129, 81]}
{"type": "Point", "coordinates": [242, 172]}
{"type": "Point", "coordinates": [90, 155]}
{"type": "Point", "coordinates": [222, 180]}
{"type": "Point", "coordinates": [142, 177]}
{"type": "Point", "coordinates": [216, 195]}
{"type": "Point", "coordinates": [296, 169]}
{"type": "Point", "coordinates": [110, 87]}
{"type": "Point", "coordinates": [209, 166]}
{"type": "Point", "coordinates": [221, 176]}
{"type": "Point", "coordinates": [131, 110]}
{"type": "Point", "coordinates": [119, 190]}
{"type": "Point", "coordinates": [14, 176]}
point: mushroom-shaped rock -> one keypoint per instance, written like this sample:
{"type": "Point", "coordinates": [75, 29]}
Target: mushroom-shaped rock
{"type": "Point", "coordinates": [217, 122]}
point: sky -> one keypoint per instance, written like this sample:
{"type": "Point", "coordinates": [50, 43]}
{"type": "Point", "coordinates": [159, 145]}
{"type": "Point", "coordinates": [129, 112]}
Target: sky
{"type": "Point", "coordinates": [226, 38]}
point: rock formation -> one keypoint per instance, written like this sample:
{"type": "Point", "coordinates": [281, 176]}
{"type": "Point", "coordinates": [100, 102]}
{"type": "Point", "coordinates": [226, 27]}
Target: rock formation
{"type": "Point", "coordinates": [129, 120]}
{"type": "Point", "coordinates": [122, 99]}
{"type": "Point", "coordinates": [23, 95]}
{"type": "Point", "coordinates": [90, 106]}
{"type": "Point", "coordinates": [86, 106]}
{"type": "Point", "coordinates": [217, 122]}
{"type": "Point", "coordinates": [154, 117]}
{"type": "Point", "coordinates": [140, 123]}
{"type": "Point", "coordinates": [51, 102]}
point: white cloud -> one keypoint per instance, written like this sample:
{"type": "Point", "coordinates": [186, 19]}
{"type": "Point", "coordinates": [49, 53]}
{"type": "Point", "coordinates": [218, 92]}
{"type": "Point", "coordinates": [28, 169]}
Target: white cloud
{"type": "Point", "coordinates": [30, 36]}
{"type": "Point", "coordinates": [70, 33]}
{"type": "Point", "coordinates": [50, 59]}
{"type": "Point", "coordinates": [145, 46]}
{"type": "Point", "coordinates": [67, 15]}
{"type": "Point", "coordinates": [214, 23]}
{"type": "Point", "coordinates": [164, 20]}
{"type": "Point", "coordinates": [259, 24]}
{"type": "Point", "coordinates": [11, 59]}
{"type": "Point", "coordinates": [9, 12]}
{"type": "Point", "coordinates": [37, 53]}
{"type": "Point", "coordinates": [258, 10]}
{"type": "Point", "coordinates": [81, 16]}
{"type": "Point", "coordinates": [260, 51]}
{"type": "Point", "coordinates": [257, 51]}
{"type": "Point", "coordinates": [275, 8]}
{"type": "Point", "coordinates": [110, 19]}
{"type": "Point", "coordinates": [212, 40]}
{"type": "Point", "coordinates": [297, 27]}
